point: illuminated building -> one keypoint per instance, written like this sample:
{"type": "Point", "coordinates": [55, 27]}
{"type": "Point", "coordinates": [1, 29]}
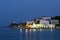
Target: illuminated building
{"type": "Point", "coordinates": [51, 26]}
{"type": "Point", "coordinates": [29, 23]}
{"type": "Point", "coordinates": [54, 21]}
{"type": "Point", "coordinates": [44, 21]}
{"type": "Point", "coordinates": [37, 25]}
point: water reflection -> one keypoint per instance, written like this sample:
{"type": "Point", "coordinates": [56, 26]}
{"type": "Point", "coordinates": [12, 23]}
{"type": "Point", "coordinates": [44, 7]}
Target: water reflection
{"type": "Point", "coordinates": [26, 33]}
{"type": "Point", "coordinates": [26, 30]}
{"type": "Point", "coordinates": [30, 30]}
{"type": "Point", "coordinates": [34, 30]}
{"type": "Point", "coordinates": [51, 29]}
{"type": "Point", "coordinates": [37, 34]}
{"type": "Point", "coordinates": [20, 30]}
{"type": "Point", "coordinates": [29, 34]}
{"type": "Point", "coordinates": [41, 29]}
{"type": "Point", "coordinates": [51, 33]}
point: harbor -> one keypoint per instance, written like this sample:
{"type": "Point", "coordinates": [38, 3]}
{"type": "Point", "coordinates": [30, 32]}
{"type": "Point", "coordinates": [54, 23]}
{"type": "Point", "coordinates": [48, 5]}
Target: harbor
{"type": "Point", "coordinates": [45, 22]}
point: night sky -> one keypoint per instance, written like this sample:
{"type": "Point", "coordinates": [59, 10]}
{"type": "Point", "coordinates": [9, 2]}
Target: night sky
{"type": "Point", "coordinates": [23, 10]}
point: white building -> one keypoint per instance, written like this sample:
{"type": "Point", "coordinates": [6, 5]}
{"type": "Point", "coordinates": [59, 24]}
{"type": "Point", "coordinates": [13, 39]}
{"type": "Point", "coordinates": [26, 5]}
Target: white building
{"type": "Point", "coordinates": [46, 26]}
{"type": "Point", "coordinates": [44, 21]}
{"type": "Point", "coordinates": [54, 21]}
{"type": "Point", "coordinates": [37, 25]}
{"type": "Point", "coordinates": [51, 25]}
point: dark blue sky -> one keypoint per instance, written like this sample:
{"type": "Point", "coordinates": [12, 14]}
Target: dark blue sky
{"type": "Point", "coordinates": [23, 10]}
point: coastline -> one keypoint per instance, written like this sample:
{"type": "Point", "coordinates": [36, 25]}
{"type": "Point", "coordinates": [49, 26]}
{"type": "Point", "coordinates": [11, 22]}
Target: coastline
{"type": "Point", "coordinates": [58, 28]}
{"type": "Point", "coordinates": [46, 22]}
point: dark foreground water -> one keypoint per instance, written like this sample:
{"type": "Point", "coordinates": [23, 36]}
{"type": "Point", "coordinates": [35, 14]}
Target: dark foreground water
{"type": "Point", "coordinates": [31, 34]}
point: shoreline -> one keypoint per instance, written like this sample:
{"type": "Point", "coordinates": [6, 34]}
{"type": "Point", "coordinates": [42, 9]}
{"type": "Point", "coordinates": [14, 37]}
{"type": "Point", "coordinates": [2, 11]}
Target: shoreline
{"type": "Point", "coordinates": [38, 28]}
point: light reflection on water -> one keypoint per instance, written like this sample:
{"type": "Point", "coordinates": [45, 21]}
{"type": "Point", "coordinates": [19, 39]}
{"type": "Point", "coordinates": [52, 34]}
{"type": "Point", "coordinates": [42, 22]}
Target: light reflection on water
{"type": "Point", "coordinates": [34, 30]}
{"type": "Point", "coordinates": [20, 30]}
{"type": "Point", "coordinates": [29, 34]}
{"type": "Point", "coordinates": [37, 34]}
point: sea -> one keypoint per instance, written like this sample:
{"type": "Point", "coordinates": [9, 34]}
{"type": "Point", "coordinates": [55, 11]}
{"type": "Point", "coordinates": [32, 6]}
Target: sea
{"type": "Point", "coordinates": [7, 33]}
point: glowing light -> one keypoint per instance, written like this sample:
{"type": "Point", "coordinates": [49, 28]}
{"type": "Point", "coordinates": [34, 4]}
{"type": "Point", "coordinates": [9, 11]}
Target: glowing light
{"type": "Point", "coordinates": [41, 26]}
{"type": "Point", "coordinates": [30, 30]}
{"type": "Point", "coordinates": [34, 30]}
{"type": "Point", "coordinates": [51, 29]}
{"type": "Point", "coordinates": [34, 25]}
{"type": "Point", "coordinates": [26, 30]}
{"type": "Point", "coordinates": [41, 29]}
{"type": "Point", "coordinates": [28, 26]}
{"type": "Point", "coordinates": [37, 25]}
{"type": "Point", "coordinates": [20, 30]}
{"type": "Point", "coordinates": [51, 26]}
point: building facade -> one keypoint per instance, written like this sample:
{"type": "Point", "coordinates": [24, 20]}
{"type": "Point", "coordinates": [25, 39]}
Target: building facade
{"type": "Point", "coordinates": [44, 22]}
{"type": "Point", "coordinates": [54, 21]}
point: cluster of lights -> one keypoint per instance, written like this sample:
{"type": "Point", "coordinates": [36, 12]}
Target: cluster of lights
{"type": "Point", "coordinates": [35, 25]}
{"type": "Point", "coordinates": [40, 25]}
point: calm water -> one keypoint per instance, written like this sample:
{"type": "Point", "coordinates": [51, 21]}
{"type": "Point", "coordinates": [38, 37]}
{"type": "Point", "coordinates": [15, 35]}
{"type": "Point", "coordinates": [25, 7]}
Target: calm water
{"type": "Point", "coordinates": [31, 34]}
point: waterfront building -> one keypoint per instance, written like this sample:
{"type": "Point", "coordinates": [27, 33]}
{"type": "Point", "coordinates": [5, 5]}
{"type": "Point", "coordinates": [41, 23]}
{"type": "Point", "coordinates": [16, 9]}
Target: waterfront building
{"type": "Point", "coordinates": [51, 25]}
{"type": "Point", "coordinates": [37, 25]}
{"type": "Point", "coordinates": [44, 21]}
{"type": "Point", "coordinates": [41, 25]}
{"type": "Point", "coordinates": [46, 26]}
{"type": "Point", "coordinates": [29, 23]}
{"type": "Point", "coordinates": [56, 18]}
{"type": "Point", "coordinates": [54, 21]}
